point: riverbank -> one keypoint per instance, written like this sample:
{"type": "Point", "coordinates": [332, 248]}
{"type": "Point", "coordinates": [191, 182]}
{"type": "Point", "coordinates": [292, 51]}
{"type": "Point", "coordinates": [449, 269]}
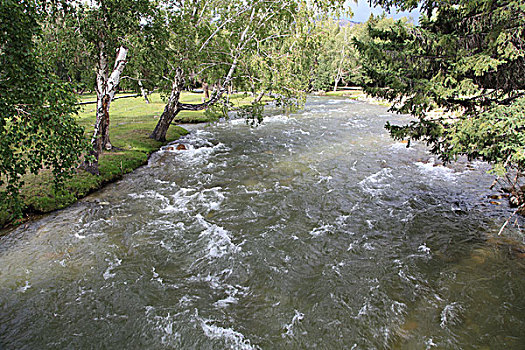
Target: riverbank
{"type": "Point", "coordinates": [132, 121]}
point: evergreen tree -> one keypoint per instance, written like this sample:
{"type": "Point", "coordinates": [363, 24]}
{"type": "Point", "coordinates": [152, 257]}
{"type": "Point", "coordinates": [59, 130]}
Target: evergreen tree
{"type": "Point", "coordinates": [467, 59]}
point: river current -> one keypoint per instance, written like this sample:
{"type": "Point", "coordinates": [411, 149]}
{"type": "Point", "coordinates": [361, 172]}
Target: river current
{"type": "Point", "coordinates": [313, 230]}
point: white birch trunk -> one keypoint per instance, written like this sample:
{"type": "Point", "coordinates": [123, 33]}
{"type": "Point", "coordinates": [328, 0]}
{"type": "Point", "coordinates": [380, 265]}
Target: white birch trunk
{"type": "Point", "coordinates": [106, 89]}
{"type": "Point", "coordinates": [143, 91]}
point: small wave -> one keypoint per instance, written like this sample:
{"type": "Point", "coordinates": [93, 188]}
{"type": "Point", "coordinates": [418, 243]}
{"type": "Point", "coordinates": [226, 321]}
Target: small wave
{"type": "Point", "coordinates": [197, 153]}
{"type": "Point", "coordinates": [342, 101]}
{"type": "Point", "coordinates": [226, 302]}
{"type": "Point", "coordinates": [324, 179]}
{"type": "Point", "coordinates": [212, 197]}
{"type": "Point", "coordinates": [162, 182]}
{"type": "Point", "coordinates": [297, 318]}
{"type": "Point", "coordinates": [156, 276]}
{"type": "Point", "coordinates": [436, 170]}
{"type": "Point", "coordinates": [423, 248]}
{"type": "Point", "coordinates": [24, 288]}
{"type": "Point", "coordinates": [213, 281]}
{"type": "Point", "coordinates": [185, 198]}
{"type": "Point", "coordinates": [398, 308]}
{"type": "Point", "coordinates": [364, 310]}
{"type": "Point", "coordinates": [164, 325]}
{"type": "Point", "coordinates": [399, 146]}
{"type": "Point", "coordinates": [112, 265]}
{"type": "Point", "coordinates": [151, 194]}
{"type": "Point", "coordinates": [341, 220]}
{"type": "Point", "coordinates": [321, 229]}
{"type": "Point", "coordinates": [77, 235]}
{"type": "Point", "coordinates": [336, 110]}
{"type": "Point", "coordinates": [234, 339]}
{"type": "Point", "coordinates": [219, 241]}
{"type": "Point", "coordinates": [280, 118]}
{"type": "Point", "coordinates": [181, 199]}
{"type": "Point", "coordinates": [355, 124]}
{"type": "Point", "coordinates": [302, 132]}
{"type": "Point", "coordinates": [378, 177]}
{"type": "Point", "coordinates": [374, 184]}
{"type": "Point", "coordinates": [238, 121]}
{"type": "Point", "coordinates": [450, 314]}
{"type": "Point", "coordinates": [368, 246]}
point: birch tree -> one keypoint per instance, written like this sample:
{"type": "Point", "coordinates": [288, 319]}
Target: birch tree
{"type": "Point", "coordinates": [107, 26]}
{"type": "Point", "coordinates": [224, 37]}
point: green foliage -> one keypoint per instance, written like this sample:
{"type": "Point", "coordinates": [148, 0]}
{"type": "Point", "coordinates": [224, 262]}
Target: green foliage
{"type": "Point", "coordinates": [336, 61]}
{"type": "Point", "coordinates": [218, 110]}
{"type": "Point", "coordinates": [327, 57]}
{"type": "Point", "coordinates": [467, 60]}
{"type": "Point", "coordinates": [37, 129]}
{"type": "Point", "coordinates": [281, 63]}
{"type": "Point", "coordinates": [497, 134]}
{"type": "Point", "coordinates": [73, 32]}
{"type": "Point", "coordinates": [67, 52]}
{"type": "Point", "coordinates": [112, 22]}
{"type": "Point", "coordinates": [273, 44]}
{"type": "Point", "coordinates": [133, 120]}
{"type": "Point", "coordinates": [252, 113]}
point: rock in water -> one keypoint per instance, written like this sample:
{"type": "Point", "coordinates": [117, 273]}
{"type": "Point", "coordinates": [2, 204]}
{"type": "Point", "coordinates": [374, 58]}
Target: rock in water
{"type": "Point", "coordinates": [181, 147]}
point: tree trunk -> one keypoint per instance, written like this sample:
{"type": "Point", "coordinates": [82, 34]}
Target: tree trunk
{"type": "Point", "coordinates": [259, 97]}
{"type": "Point", "coordinates": [336, 82]}
{"type": "Point", "coordinates": [111, 90]}
{"type": "Point", "coordinates": [171, 110]}
{"type": "Point", "coordinates": [102, 125]}
{"type": "Point", "coordinates": [173, 106]}
{"type": "Point", "coordinates": [206, 90]}
{"type": "Point", "coordinates": [106, 89]}
{"type": "Point", "coordinates": [143, 92]}
{"type": "Point", "coordinates": [340, 68]}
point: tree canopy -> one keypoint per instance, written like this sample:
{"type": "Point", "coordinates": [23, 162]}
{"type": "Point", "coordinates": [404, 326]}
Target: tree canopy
{"type": "Point", "coordinates": [37, 129]}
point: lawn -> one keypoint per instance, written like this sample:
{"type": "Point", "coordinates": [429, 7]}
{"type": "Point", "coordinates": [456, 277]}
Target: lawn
{"type": "Point", "coordinates": [132, 121]}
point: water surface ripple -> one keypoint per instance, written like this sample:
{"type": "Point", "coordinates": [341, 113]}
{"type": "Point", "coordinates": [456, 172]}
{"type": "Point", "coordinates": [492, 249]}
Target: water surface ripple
{"type": "Point", "coordinates": [314, 230]}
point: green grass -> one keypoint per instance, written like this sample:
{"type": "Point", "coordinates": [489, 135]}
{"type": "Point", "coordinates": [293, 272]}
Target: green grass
{"type": "Point", "coordinates": [131, 123]}
{"type": "Point", "coordinates": [353, 94]}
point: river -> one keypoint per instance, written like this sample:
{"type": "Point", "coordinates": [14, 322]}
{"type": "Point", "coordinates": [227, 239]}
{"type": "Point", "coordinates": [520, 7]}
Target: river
{"type": "Point", "coordinates": [313, 230]}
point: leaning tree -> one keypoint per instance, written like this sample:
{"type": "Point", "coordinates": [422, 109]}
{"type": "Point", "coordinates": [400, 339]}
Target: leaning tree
{"type": "Point", "coordinates": [223, 42]}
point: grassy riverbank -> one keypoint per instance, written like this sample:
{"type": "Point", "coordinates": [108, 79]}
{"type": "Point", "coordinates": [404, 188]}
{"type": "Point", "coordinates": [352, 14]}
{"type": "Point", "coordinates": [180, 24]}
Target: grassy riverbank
{"type": "Point", "coordinates": [132, 121]}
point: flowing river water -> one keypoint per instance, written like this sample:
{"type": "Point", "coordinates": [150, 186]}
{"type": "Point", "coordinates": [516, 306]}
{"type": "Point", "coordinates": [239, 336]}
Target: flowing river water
{"type": "Point", "coordinates": [313, 230]}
